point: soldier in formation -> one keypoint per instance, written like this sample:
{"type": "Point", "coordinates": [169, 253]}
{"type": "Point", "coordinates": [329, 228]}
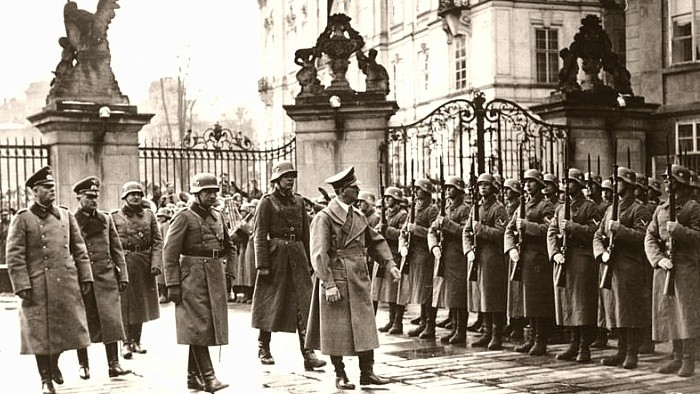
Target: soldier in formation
{"type": "Point", "coordinates": [515, 310]}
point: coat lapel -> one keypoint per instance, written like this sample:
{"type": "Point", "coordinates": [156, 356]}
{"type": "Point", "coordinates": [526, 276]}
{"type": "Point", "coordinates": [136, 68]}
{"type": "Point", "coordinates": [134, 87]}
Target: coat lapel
{"type": "Point", "coordinates": [335, 211]}
{"type": "Point", "coordinates": [359, 223]}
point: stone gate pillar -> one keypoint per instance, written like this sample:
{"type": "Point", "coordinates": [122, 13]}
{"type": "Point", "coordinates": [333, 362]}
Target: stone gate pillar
{"type": "Point", "coordinates": [337, 127]}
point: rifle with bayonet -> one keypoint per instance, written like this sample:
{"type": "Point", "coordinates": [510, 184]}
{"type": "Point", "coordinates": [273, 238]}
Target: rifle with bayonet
{"type": "Point", "coordinates": [382, 215]}
{"type": "Point", "coordinates": [474, 268]}
{"type": "Point", "coordinates": [411, 220]}
{"type": "Point", "coordinates": [441, 262]}
{"type": "Point", "coordinates": [669, 283]}
{"type": "Point", "coordinates": [560, 269]}
{"type": "Point", "coordinates": [606, 280]}
{"type": "Point", "coordinates": [517, 274]}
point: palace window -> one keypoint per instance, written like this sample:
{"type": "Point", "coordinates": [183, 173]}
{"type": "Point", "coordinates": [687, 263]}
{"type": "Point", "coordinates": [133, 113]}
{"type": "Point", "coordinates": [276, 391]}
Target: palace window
{"type": "Point", "coordinates": [398, 77]}
{"type": "Point", "coordinates": [688, 137]}
{"type": "Point", "coordinates": [547, 55]}
{"type": "Point", "coordinates": [684, 30]}
{"type": "Point", "coordinates": [396, 12]}
{"type": "Point", "coordinates": [423, 66]}
{"type": "Point", "coordinates": [460, 59]}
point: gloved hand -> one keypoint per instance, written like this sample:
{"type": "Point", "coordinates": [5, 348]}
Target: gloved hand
{"type": "Point", "coordinates": [122, 286]}
{"type": "Point", "coordinates": [436, 252]}
{"type": "Point", "coordinates": [671, 226]}
{"type": "Point", "coordinates": [25, 294]}
{"type": "Point", "coordinates": [263, 271]}
{"type": "Point", "coordinates": [86, 287]}
{"type": "Point", "coordinates": [514, 255]}
{"type": "Point", "coordinates": [396, 274]}
{"type": "Point", "coordinates": [175, 294]}
{"type": "Point", "coordinates": [155, 271]}
{"type": "Point", "coordinates": [519, 223]}
{"type": "Point", "coordinates": [605, 257]}
{"type": "Point", "coordinates": [612, 226]}
{"type": "Point", "coordinates": [403, 251]}
{"type": "Point", "coordinates": [471, 256]}
{"type": "Point", "coordinates": [665, 264]}
{"type": "Point", "coordinates": [332, 294]}
{"type": "Point", "coordinates": [559, 258]}
{"type": "Point", "coordinates": [411, 227]}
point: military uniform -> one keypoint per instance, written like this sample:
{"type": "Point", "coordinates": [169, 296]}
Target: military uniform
{"type": "Point", "coordinates": [515, 288]}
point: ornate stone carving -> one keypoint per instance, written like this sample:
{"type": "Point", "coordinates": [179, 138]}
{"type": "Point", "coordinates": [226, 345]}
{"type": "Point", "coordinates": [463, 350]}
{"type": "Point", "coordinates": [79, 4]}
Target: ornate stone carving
{"type": "Point", "coordinates": [339, 41]}
{"type": "Point", "coordinates": [377, 78]}
{"type": "Point", "coordinates": [84, 72]}
{"type": "Point", "coordinates": [456, 18]}
{"type": "Point", "coordinates": [307, 76]}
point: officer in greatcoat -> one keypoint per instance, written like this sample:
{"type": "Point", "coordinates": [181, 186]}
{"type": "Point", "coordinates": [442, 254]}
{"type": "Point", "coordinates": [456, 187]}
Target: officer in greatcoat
{"type": "Point", "coordinates": [672, 245]}
{"type": "Point", "coordinates": [283, 285]}
{"type": "Point", "coordinates": [143, 249]}
{"type": "Point", "coordinates": [341, 320]}
{"type": "Point", "coordinates": [445, 238]}
{"type": "Point", "coordinates": [538, 287]}
{"type": "Point", "coordinates": [482, 242]}
{"type": "Point", "coordinates": [576, 303]}
{"type": "Point", "coordinates": [626, 302]}
{"type": "Point", "coordinates": [417, 287]}
{"type": "Point", "coordinates": [385, 289]}
{"type": "Point", "coordinates": [195, 253]}
{"type": "Point", "coordinates": [104, 314]}
{"type": "Point", "coordinates": [515, 313]}
{"type": "Point", "coordinates": [49, 269]}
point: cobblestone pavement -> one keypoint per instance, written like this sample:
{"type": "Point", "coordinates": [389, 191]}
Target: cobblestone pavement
{"type": "Point", "coordinates": [412, 364]}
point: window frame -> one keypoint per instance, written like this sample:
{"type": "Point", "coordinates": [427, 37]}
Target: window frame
{"type": "Point", "coordinates": [694, 16]}
{"type": "Point", "coordinates": [551, 71]}
{"type": "Point", "coordinates": [456, 69]}
{"type": "Point", "coordinates": [695, 134]}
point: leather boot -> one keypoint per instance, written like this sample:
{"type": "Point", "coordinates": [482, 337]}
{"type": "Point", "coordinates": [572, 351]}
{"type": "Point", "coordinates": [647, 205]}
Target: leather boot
{"type": "Point", "coordinates": [194, 379]}
{"type": "Point", "coordinates": [367, 375]}
{"type": "Point", "coordinates": [688, 362]}
{"type": "Point", "coordinates": [429, 331]}
{"type": "Point", "coordinates": [397, 327]}
{"type": "Point", "coordinates": [264, 348]}
{"type": "Point", "coordinates": [126, 350]}
{"type": "Point", "coordinates": [618, 357]}
{"type": "Point", "coordinates": [43, 363]}
{"type": "Point", "coordinates": [646, 345]}
{"type": "Point", "coordinates": [421, 324]}
{"type": "Point", "coordinates": [570, 353]}
{"type": "Point", "coordinates": [392, 316]}
{"type": "Point", "coordinates": [518, 335]}
{"type": "Point", "coordinates": [446, 339]}
{"type": "Point", "coordinates": [310, 359]}
{"type": "Point", "coordinates": [211, 383]}
{"type": "Point", "coordinates": [486, 338]}
{"type": "Point", "coordinates": [114, 369]}
{"type": "Point", "coordinates": [498, 321]}
{"type": "Point", "coordinates": [341, 378]}
{"type": "Point", "coordinates": [674, 364]}
{"type": "Point", "coordinates": [443, 323]}
{"type": "Point", "coordinates": [460, 335]}
{"type": "Point", "coordinates": [416, 321]}
{"type": "Point", "coordinates": [601, 340]}
{"type": "Point", "coordinates": [136, 339]}
{"type": "Point", "coordinates": [539, 348]}
{"type": "Point", "coordinates": [584, 350]}
{"type": "Point", "coordinates": [56, 374]}
{"type": "Point", "coordinates": [84, 370]}
{"type": "Point", "coordinates": [634, 337]}
{"type": "Point", "coordinates": [527, 346]}
{"type": "Point", "coordinates": [476, 326]}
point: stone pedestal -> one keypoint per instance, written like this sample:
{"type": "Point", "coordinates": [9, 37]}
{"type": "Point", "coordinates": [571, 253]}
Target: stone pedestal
{"type": "Point", "coordinates": [82, 143]}
{"type": "Point", "coordinates": [600, 126]}
{"type": "Point", "coordinates": [332, 139]}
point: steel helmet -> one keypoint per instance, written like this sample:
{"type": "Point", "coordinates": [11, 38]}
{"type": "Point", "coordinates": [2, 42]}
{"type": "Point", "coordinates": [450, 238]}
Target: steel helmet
{"type": "Point", "coordinates": [281, 168]}
{"type": "Point", "coordinates": [577, 176]}
{"type": "Point", "coordinates": [551, 178]}
{"type": "Point", "coordinates": [680, 174]}
{"type": "Point", "coordinates": [593, 177]}
{"type": "Point", "coordinates": [131, 187]}
{"type": "Point", "coordinates": [424, 185]}
{"type": "Point", "coordinates": [497, 180]}
{"type": "Point", "coordinates": [626, 175]}
{"type": "Point", "coordinates": [535, 175]}
{"type": "Point", "coordinates": [165, 212]}
{"type": "Point", "coordinates": [641, 180]}
{"type": "Point", "coordinates": [606, 184]}
{"type": "Point", "coordinates": [203, 181]}
{"type": "Point", "coordinates": [455, 181]}
{"type": "Point", "coordinates": [394, 192]}
{"type": "Point", "coordinates": [513, 185]}
{"type": "Point", "coordinates": [655, 185]}
{"type": "Point", "coordinates": [367, 197]}
{"type": "Point", "coordinates": [487, 178]}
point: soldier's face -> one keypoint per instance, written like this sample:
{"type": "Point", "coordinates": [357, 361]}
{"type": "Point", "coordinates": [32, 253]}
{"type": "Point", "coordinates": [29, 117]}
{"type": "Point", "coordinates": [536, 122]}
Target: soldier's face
{"type": "Point", "coordinates": [207, 197]}
{"type": "Point", "coordinates": [574, 188]}
{"type": "Point", "coordinates": [485, 189]}
{"type": "Point", "coordinates": [549, 188]}
{"type": "Point", "coordinates": [452, 192]}
{"type": "Point", "coordinates": [390, 202]}
{"type": "Point", "coordinates": [533, 186]}
{"type": "Point", "coordinates": [134, 199]}
{"type": "Point", "coordinates": [608, 194]}
{"type": "Point", "coordinates": [511, 195]}
{"type": "Point", "coordinates": [286, 182]}
{"type": "Point", "coordinates": [87, 203]}
{"type": "Point", "coordinates": [422, 194]}
{"type": "Point", "coordinates": [362, 205]}
{"type": "Point", "coordinates": [621, 186]}
{"type": "Point", "coordinates": [45, 194]}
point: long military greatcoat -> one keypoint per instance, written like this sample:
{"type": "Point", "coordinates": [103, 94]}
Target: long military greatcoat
{"type": "Point", "coordinates": [47, 255]}
{"type": "Point", "coordinates": [626, 302]}
{"type": "Point", "coordinates": [102, 305]}
{"type": "Point", "coordinates": [338, 256]}
{"type": "Point", "coordinates": [417, 287]}
{"type": "Point", "coordinates": [384, 288]}
{"type": "Point", "coordinates": [143, 248]}
{"type": "Point", "coordinates": [453, 292]}
{"type": "Point", "coordinates": [489, 290]}
{"type": "Point", "coordinates": [281, 240]}
{"type": "Point", "coordinates": [194, 258]}
{"type": "Point", "coordinates": [577, 303]}
{"type": "Point", "coordinates": [515, 289]}
{"type": "Point", "coordinates": [676, 317]}
{"type": "Point", "coordinates": [538, 287]}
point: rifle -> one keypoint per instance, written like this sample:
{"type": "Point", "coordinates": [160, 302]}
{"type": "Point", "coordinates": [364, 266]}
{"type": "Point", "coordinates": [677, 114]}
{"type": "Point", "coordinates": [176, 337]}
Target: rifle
{"type": "Point", "coordinates": [589, 183]}
{"type": "Point", "coordinates": [441, 263]}
{"type": "Point", "coordinates": [606, 280]}
{"type": "Point", "coordinates": [474, 269]}
{"type": "Point", "coordinates": [382, 216]}
{"type": "Point", "coordinates": [517, 274]}
{"type": "Point", "coordinates": [560, 271]}
{"type": "Point", "coordinates": [411, 220]}
{"type": "Point", "coordinates": [669, 283]}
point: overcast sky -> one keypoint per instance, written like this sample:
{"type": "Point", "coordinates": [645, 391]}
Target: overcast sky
{"type": "Point", "coordinates": [148, 39]}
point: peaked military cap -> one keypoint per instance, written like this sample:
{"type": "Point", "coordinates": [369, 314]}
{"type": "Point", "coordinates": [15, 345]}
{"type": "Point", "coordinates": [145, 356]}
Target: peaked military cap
{"type": "Point", "coordinates": [343, 179]}
{"type": "Point", "coordinates": [89, 186]}
{"type": "Point", "coordinates": [43, 177]}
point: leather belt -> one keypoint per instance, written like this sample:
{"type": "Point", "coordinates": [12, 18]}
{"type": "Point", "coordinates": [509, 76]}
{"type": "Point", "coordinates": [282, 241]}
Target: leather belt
{"type": "Point", "coordinates": [214, 254]}
{"type": "Point", "coordinates": [290, 237]}
{"type": "Point", "coordinates": [137, 248]}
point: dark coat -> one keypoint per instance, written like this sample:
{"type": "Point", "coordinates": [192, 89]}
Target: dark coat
{"type": "Point", "coordinates": [139, 229]}
{"type": "Point", "coordinates": [163, 227]}
{"type": "Point", "coordinates": [417, 287]}
{"type": "Point", "coordinates": [577, 303]}
{"type": "Point", "coordinates": [515, 289]}
{"type": "Point", "coordinates": [47, 255]}
{"type": "Point", "coordinates": [102, 305]}
{"type": "Point", "coordinates": [281, 245]}
{"type": "Point", "coordinates": [488, 292]}
{"type": "Point", "coordinates": [384, 288]}
{"type": "Point", "coordinates": [538, 287]}
{"type": "Point", "coordinates": [453, 291]}
{"type": "Point", "coordinates": [676, 317]}
{"type": "Point", "coordinates": [626, 303]}
{"type": "Point", "coordinates": [202, 317]}
{"type": "Point", "coordinates": [339, 259]}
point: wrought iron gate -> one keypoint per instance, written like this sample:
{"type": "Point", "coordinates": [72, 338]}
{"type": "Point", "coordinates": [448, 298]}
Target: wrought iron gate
{"type": "Point", "coordinates": [19, 159]}
{"type": "Point", "coordinates": [465, 133]}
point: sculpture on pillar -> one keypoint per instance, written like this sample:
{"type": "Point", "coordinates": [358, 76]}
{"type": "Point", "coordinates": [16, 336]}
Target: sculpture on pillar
{"type": "Point", "coordinates": [377, 78]}
{"type": "Point", "coordinates": [592, 45]}
{"type": "Point", "coordinates": [307, 76]}
{"type": "Point", "coordinates": [84, 72]}
{"type": "Point", "coordinates": [339, 41]}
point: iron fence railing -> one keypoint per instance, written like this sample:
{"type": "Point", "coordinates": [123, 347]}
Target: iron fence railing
{"type": "Point", "coordinates": [19, 159]}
